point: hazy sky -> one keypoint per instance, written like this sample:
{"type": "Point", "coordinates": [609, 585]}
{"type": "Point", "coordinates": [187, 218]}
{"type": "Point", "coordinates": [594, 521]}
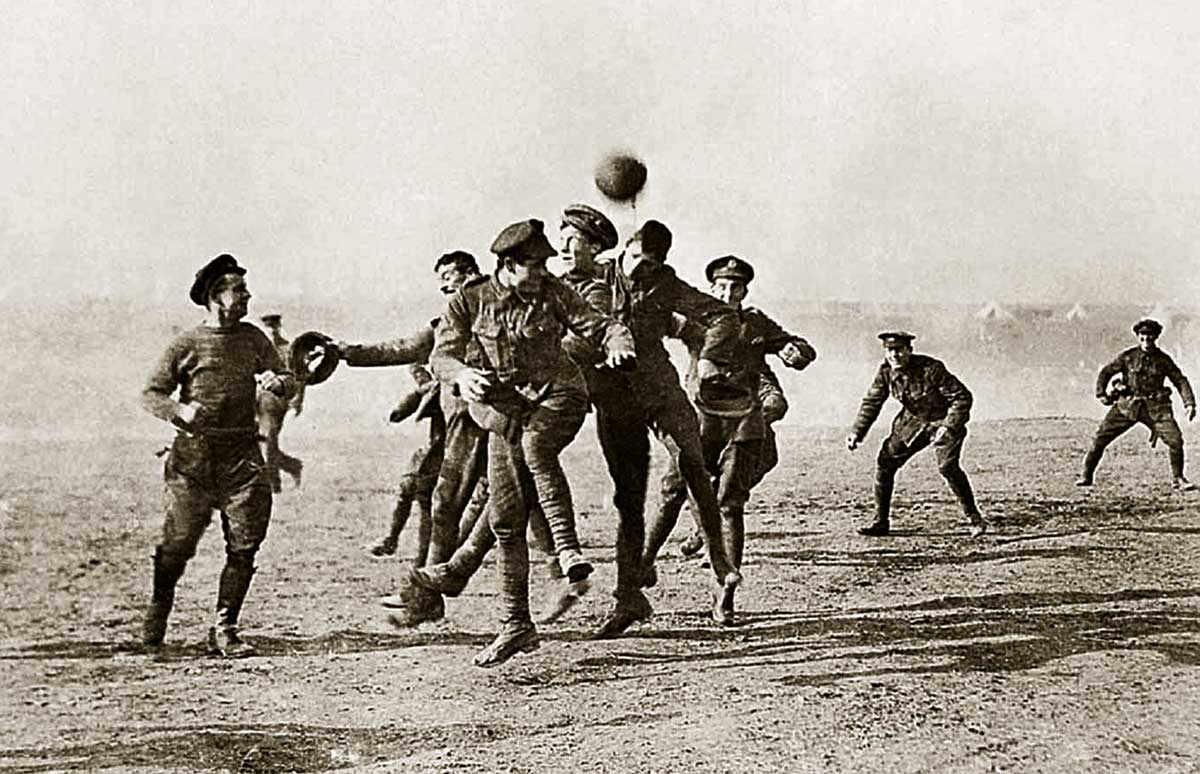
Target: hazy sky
{"type": "Point", "coordinates": [1024, 151]}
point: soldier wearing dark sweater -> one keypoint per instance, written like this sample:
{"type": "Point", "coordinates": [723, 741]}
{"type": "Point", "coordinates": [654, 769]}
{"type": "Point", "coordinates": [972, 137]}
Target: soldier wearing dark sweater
{"type": "Point", "coordinates": [215, 462]}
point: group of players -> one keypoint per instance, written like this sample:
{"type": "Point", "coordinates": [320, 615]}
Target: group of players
{"type": "Point", "coordinates": [506, 376]}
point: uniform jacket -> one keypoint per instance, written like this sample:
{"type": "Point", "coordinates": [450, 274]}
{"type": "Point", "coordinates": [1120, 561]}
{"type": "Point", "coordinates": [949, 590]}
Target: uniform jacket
{"type": "Point", "coordinates": [598, 294]}
{"type": "Point", "coordinates": [646, 303]}
{"type": "Point", "coordinates": [405, 350]}
{"type": "Point", "coordinates": [758, 336]}
{"type": "Point", "coordinates": [930, 394]}
{"type": "Point", "coordinates": [1144, 374]}
{"type": "Point", "coordinates": [521, 343]}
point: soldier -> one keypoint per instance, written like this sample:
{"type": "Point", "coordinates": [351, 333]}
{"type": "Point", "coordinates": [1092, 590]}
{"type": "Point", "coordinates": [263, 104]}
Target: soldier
{"type": "Point", "coordinates": [645, 293]}
{"type": "Point", "coordinates": [459, 442]}
{"type": "Point", "coordinates": [936, 408]}
{"type": "Point", "coordinates": [774, 408]}
{"type": "Point", "coordinates": [528, 395]}
{"type": "Point", "coordinates": [585, 232]}
{"type": "Point", "coordinates": [272, 411]}
{"type": "Point", "coordinates": [733, 430]}
{"type": "Point", "coordinates": [418, 481]}
{"type": "Point", "coordinates": [1145, 399]}
{"type": "Point", "coordinates": [215, 462]}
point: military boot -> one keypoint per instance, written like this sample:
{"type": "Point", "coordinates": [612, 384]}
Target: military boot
{"type": "Point", "coordinates": [723, 612]}
{"type": "Point", "coordinates": [566, 598]}
{"type": "Point", "coordinates": [631, 607]}
{"type": "Point", "coordinates": [514, 638]}
{"type": "Point", "coordinates": [223, 637]}
{"type": "Point", "coordinates": [224, 641]}
{"type": "Point", "coordinates": [415, 605]}
{"type": "Point", "coordinates": [573, 565]}
{"type": "Point", "coordinates": [877, 528]}
{"type": "Point", "coordinates": [166, 575]}
{"type": "Point", "coordinates": [441, 578]}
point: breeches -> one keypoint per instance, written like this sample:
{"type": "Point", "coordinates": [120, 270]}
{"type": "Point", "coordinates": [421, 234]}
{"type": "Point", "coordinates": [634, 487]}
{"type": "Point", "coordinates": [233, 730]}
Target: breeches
{"type": "Point", "coordinates": [203, 475]}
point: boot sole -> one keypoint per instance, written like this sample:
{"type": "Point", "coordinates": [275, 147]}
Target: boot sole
{"type": "Point", "coordinates": [526, 644]}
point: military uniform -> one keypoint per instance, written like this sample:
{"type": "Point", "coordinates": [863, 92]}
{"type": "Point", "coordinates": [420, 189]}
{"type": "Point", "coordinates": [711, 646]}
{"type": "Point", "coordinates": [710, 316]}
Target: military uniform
{"type": "Point", "coordinates": [629, 405]}
{"type": "Point", "coordinates": [532, 410]}
{"type": "Point", "coordinates": [420, 477]}
{"type": "Point", "coordinates": [215, 462]}
{"type": "Point", "coordinates": [733, 425]}
{"type": "Point", "coordinates": [1145, 399]}
{"type": "Point", "coordinates": [457, 447]}
{"type": "Point", "coordinates": [936, 409]}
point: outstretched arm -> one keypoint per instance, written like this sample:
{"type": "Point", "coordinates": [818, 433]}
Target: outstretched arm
{"type": "Point", "coordinates": [404, 350]}
{"type": "Point", "coordinates": [868, 410]}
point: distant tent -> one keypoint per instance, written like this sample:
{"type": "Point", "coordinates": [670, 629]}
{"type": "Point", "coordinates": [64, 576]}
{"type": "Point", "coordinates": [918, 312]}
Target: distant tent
{"type": "Point", "coordinates": [993, 312]}
{"type": "Point", "coordinates": [1076, 313]}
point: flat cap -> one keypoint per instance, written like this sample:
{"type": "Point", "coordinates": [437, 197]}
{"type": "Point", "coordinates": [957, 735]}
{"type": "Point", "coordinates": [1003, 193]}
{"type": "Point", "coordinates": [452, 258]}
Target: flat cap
{"type": "Point", "coordinates": [525, 239]}
{"type": "Point", "coordinates": [207, 276]}
{"type": "Point", "coordinates": [896, 338]}
{"type": "Point", "coordinates": [592, 222]}
{"type": "Point", "coordinates": [271, 317]}
{"type": "Point", "coordinates": [729, 267]}
{"type": "Point", "coordinates": [1153, 327]}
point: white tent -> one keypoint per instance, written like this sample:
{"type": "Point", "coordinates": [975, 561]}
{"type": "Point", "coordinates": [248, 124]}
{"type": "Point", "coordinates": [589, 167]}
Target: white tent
{"type": "Point", "coordinates": [993, 312]}
{"type": "Point", "coordinates": [1076, 313]}
{"type": "Point", "coordinates": [1162, 313]}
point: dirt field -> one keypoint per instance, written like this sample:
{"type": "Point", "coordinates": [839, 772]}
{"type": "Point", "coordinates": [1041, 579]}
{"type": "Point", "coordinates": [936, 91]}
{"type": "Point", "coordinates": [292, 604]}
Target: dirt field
{"type": "Point", "coordinates": [1067, 640]}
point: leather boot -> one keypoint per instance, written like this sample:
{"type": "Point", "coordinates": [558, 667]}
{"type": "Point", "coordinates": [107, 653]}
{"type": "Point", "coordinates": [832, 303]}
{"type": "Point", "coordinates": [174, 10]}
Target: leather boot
{"type": "Point", "coordinates": [632, 606]}
{"type": "Point", "coordinates": [223, 638]}
{"type": "Point", "coordinates": [166, 575]}
{"type": "Point", "coordinates": [514, 638]}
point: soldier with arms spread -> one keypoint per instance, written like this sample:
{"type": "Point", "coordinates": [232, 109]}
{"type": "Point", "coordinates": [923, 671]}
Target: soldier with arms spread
{"type": "Point", "coordinates": [733, 428]}
{"type": "Point", "coordinates": [936, 408]}
{"type": "Point", "coordinates": [645, 293]}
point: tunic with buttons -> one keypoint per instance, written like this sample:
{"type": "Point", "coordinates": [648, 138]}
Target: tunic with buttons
{"type": "Point", "coordinates": [930, 394]}
{"type": "Point", "coordinates": [1144, 374]}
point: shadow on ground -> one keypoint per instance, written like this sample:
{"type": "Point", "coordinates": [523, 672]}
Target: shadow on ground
{"type": "Point", "coordinates": [251, 748]}
{"type": "Point", "coordinates": [989, 633]}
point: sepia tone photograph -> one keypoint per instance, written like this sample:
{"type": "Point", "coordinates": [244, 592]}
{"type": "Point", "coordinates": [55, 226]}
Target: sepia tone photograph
{"type": "Point", "coordinates": [602, 386]}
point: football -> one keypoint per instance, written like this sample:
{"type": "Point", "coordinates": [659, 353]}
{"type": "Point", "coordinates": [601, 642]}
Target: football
{"type": "Point", "coordinates": [620, 176]}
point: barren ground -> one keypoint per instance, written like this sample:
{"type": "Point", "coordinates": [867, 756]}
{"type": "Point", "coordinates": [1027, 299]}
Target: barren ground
{"type": "Point", "coordinates": [1066, 640]}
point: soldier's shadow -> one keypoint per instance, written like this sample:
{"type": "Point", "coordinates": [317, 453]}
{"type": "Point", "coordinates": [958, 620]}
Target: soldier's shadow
{"type": "Point", "coordinates": [900, 560]}
{"type": "Point", "coordinates": [989, 633]}
{"type": "Point", "coordinates": [267, 644]}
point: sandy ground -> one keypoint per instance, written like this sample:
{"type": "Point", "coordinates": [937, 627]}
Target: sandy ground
{"type": "Point", "coordinates": [1066, 640]}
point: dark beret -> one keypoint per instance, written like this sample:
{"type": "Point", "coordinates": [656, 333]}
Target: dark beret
{"type": "Point", "coordinates": [207, 277]}
{"type": "Point", "coordinates": [525, 239]}
{"type": "Point", "coordinates": [729, 267]}
{"type": "Point", "coordinates": [592, 222]}
{"type": "Point", "coordinates": [896, 338]}
{"type": "Point", "coordinates": [1153, 327]}
{"type": "Point", "coordinates": [655, 238]}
